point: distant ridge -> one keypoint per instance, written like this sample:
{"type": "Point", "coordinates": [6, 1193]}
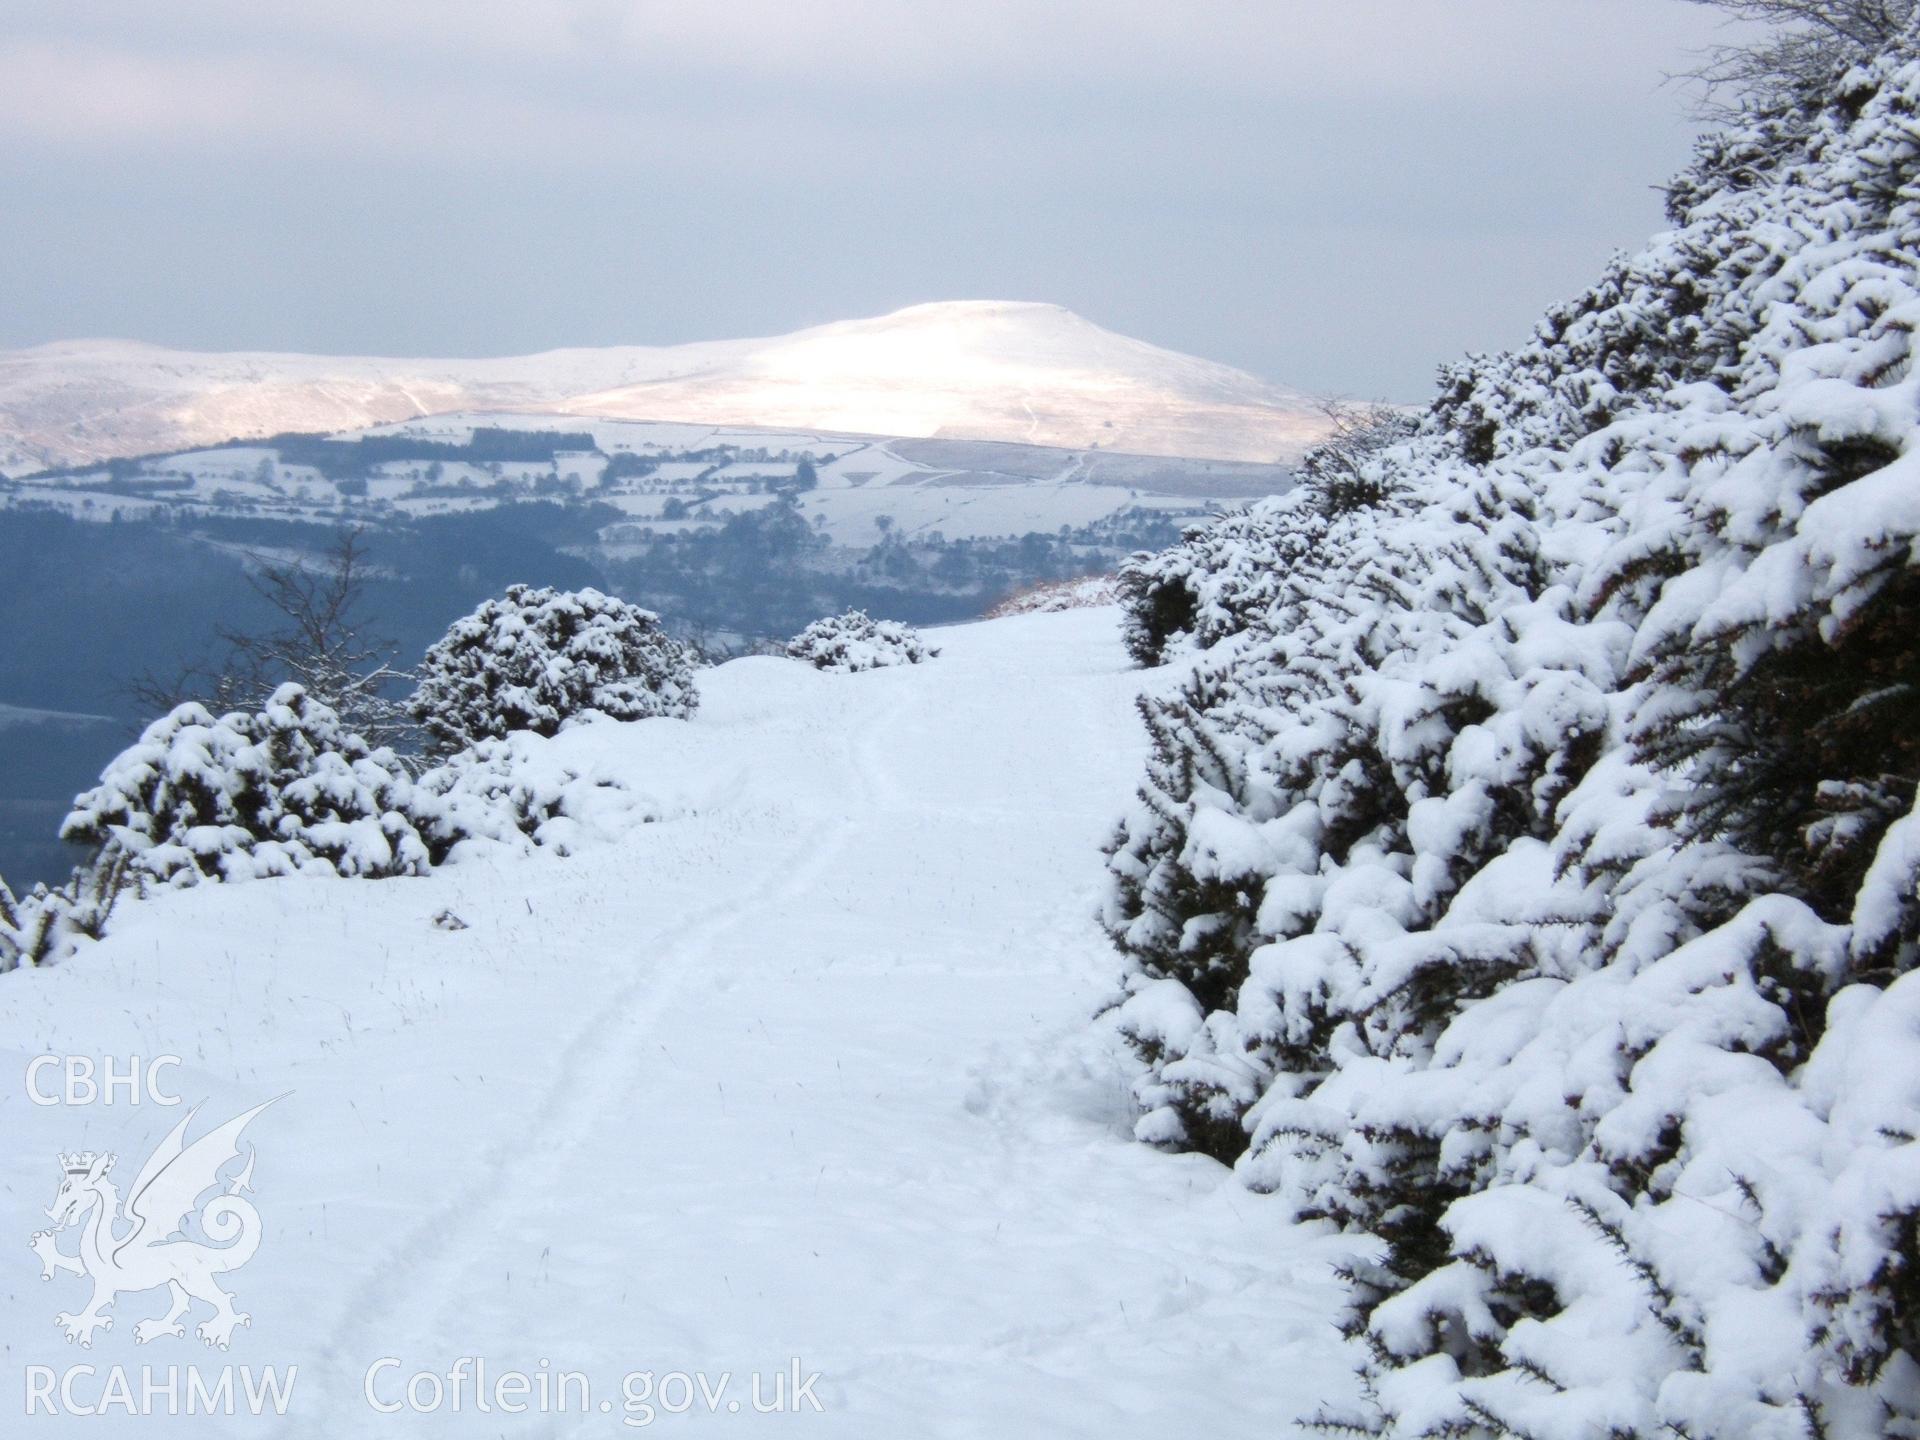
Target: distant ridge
{"type": "Point", "coordinates": [969, 369]}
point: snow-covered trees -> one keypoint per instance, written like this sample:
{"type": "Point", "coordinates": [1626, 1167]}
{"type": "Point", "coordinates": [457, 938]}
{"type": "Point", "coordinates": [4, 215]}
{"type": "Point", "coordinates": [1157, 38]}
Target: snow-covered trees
{"type": "Point", "coordinates": [854, 641]}
{"type": "Point", "coordinates": [536, 658]}
{"type": "Point", "coordinates": [287, 787]}
{"type": "Point", "coordinates": [1528, 871]}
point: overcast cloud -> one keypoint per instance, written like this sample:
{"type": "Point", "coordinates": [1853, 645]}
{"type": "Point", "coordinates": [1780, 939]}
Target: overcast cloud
{"type": "Point", "coordinates": [1335, 193]}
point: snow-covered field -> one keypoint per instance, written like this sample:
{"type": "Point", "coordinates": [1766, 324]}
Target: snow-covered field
{"type": "Point", "coordinates": [960, 489]}
{"type": "Point", "coordinates": [801, 1070]}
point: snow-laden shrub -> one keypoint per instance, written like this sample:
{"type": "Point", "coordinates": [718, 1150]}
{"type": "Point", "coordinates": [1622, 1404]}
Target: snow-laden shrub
{"type": "Point", "coordinates": [1340, 467]}
{"type": "Point", "coordinates": [289, 790]}
{"type": "Point", "coordinates": [273, 792]}
{"type": "Point", "coordinates": [534, 659]}
{"type": "Point", "coordinates": [855, 641]}
{"type": "Point", "coordinates": [1210, 586]}
{"type": "Point", "coordinates": [517, 792]}
{"type": "Point", "coordinates": [1529, 871]}
{"type": "Point", "coordinates": [1229, 575]}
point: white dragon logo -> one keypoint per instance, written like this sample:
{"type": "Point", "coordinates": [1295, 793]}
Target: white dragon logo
{"type": "Point", "coordinates": [154, 1249]}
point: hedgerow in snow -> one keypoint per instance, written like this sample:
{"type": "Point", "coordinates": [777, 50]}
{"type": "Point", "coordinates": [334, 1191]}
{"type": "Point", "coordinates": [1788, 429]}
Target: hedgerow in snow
{"type": "Point", "coordinates": [855, 641]}
{"type": "Point", "coordinates": [1228, 576]}
{"type": "Point", "coordinates": [536, 658]}
{"type": "Point", "coordinates": [1528, 871]}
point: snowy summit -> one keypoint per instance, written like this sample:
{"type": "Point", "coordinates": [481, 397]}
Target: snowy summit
{"type": "Point", "coordinates": [975, 370]}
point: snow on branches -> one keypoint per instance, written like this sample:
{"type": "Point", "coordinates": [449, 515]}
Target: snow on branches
{"type": "Point", "coordinates": [288, 788]}
{"type": "Point", "coordinates": [252, 793]}
{"type": "Point", "coordinates": [536, 658]}
{"type": "Point", "coordinates": [1527, 868]}
{"type": "Point", "coordinates": [855, 641]}
{"type": "Point", "coordinates": [48, 921]}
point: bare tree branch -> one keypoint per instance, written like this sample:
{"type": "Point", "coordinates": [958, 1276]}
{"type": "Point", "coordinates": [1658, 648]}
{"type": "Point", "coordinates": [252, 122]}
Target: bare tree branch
{"type": "Point", "coordinates": [1337, 467]}
{"type": "Point", "coordinates": [1804, 46]}
{"type": "Point", "coordinates": [324, 646]}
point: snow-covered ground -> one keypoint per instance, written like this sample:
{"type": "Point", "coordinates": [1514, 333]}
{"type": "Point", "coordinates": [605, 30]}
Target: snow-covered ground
{"type": "Point", "coordinates": [801, 1070]}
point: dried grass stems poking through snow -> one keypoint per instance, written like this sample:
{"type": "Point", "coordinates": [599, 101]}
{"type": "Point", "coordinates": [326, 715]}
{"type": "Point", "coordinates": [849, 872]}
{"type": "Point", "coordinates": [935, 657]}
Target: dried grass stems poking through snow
{"type": "Point", "coordinates": [1527, 870]}
{"type": "Point", "coordinates": [855, 641]}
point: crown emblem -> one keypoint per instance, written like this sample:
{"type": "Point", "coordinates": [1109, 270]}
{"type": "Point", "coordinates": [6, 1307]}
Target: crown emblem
{"type": "Point", "coordinates": [81, 1162]}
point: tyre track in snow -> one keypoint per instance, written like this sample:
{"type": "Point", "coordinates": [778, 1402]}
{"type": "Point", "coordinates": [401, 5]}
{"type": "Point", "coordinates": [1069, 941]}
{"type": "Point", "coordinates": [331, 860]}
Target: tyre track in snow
{"type": "Point", "coordinates": [601, 1063]}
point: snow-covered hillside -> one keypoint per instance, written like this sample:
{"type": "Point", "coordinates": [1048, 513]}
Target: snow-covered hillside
{"type": "Point", "coordinates": [800, 1069]}
{"type": "Point", "coordinates": [977, 370]}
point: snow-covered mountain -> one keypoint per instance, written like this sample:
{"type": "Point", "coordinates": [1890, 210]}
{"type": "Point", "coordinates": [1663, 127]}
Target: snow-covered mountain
{"type": "Point", "coordinates": [978, 370]}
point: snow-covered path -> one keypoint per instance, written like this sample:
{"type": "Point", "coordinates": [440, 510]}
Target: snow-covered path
{"type": "Point", "coordinates": [802, 1071]}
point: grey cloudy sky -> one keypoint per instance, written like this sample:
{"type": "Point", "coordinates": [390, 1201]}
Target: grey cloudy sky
{"type": "Point", "coordinates": [1335, 193]}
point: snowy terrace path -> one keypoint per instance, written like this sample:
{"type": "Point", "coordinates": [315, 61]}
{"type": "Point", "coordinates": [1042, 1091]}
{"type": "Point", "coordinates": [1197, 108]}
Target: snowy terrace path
{"type": "Point", "coordinates": [802, 1070]}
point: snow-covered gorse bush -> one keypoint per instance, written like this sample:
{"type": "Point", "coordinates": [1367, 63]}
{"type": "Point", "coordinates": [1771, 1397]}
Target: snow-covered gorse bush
{"type": "Point", "coordinates": [270, 792]}
{"type": "Point", "coordinates": [519, 790]}
{"type": "Point", "coordinates": [855, 641]}
{"type": "Point", "coordinates": [1528, 871]}
{"type": "Point", "coordinates": [536, 658]}
{"type": "Point", "coordinates": [288, 790]}
{"type": "Point", "coordinates": [1228, 574]}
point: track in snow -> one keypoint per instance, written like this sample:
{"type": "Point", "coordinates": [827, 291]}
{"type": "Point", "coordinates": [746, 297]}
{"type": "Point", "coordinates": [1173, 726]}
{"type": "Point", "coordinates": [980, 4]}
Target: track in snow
{"type": "Point", "coordinates": [807, 1074]}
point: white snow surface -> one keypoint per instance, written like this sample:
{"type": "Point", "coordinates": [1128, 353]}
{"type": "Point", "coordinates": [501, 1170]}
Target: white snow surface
{"type": "Point", "coordinates": [800, 1069]}
{"type": "Point", "coordinates": [978, 370]}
